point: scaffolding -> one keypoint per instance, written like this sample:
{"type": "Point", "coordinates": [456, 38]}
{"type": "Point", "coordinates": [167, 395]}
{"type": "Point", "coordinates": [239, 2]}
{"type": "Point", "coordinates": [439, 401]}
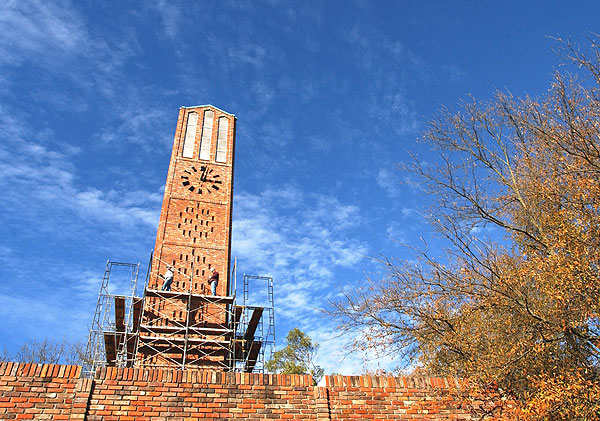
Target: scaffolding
{"type": "Point", "coordinates": [113, 326]}
{"type": "Point", "coordinates": [181, 329]}
{"type": "Point", "coordinates": [255, 332]}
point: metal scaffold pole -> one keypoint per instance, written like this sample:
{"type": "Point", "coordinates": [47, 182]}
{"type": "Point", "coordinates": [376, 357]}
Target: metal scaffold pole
{"type": "Point", "coordinates": [256, 329]}
{"type": "Point", "coordinates": [111, 332]}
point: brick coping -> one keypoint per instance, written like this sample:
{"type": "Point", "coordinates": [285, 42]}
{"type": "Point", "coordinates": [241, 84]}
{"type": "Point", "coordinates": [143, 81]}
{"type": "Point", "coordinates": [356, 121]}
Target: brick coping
{"type": "Point", "coordinates": [13, 369]}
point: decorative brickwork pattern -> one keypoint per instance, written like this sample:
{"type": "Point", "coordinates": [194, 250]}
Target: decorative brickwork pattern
{"type": "Point", "coordinates": [52, 392]}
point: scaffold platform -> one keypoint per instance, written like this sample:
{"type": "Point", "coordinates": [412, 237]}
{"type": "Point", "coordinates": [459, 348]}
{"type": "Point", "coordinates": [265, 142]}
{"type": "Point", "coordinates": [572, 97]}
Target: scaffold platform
{"type": "Point", "coordinates": [180, 329]}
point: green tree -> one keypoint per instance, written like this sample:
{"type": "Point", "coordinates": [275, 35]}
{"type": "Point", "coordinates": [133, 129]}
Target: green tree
{"type": "Point", "coordinates": [515, 300]}
{"type": "Point", "coordinates": [298, 356]}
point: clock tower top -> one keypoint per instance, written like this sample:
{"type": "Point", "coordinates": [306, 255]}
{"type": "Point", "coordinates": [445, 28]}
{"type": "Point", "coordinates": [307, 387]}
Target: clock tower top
{"type": "Point", "coordinates": [194, 232]}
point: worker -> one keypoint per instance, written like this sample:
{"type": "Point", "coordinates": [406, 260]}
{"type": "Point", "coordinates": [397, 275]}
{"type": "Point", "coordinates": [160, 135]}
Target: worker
{"type": "Point", "coordinates": [168, 277]}
{"type": "Point", "coordinates": [213, 281]}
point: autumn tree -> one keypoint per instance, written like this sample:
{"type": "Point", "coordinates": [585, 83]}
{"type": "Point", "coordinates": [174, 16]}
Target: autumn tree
{"type": "Point", "coordinates": [515, 299]}
{"type": "Point", "coordinates": [297, 357]}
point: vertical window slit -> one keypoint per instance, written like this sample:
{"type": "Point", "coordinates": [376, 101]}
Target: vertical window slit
{"type": "Point", "coordinates": [190, 135]}
{"type": "Point", "coordinates": [221, 155]}
{"type": "Point", "coordinates": [206, 135]}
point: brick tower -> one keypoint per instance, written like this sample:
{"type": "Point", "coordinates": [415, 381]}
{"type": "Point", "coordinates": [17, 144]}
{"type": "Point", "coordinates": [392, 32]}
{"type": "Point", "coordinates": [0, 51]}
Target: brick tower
{"type": "Point", "coordinates": [187, 326]}
{"type": "Point", "coordinates": [194, 232]}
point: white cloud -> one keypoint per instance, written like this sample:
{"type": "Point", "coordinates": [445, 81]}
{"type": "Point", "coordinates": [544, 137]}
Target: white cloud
{"type": "Point", "coordinates": [250, 53]}
{"type": "Point", "coordinates": [276, 135]}
{"type": "Point", "coordinates": [31, 169]}
{"type": "Point", "coordinates": [398, 109]}
{"type": "Point", "coordinates": [397, 231]}
{"type": "Point", "coordinates": [453, 72]}
{"type": "Point", "coordinates": [39, 29]}
{"type": "Point", "coordinates": [170, 15]}
{"type": "Point", "coordinates": [299, 239]}
{"type": "Point", "coordinates": [97, 203]}
{"type": "Point", "coordinates": [54, 42]}
{"type": "Point", "coordinates": [37, 317]}
{"type": "Point", "coordinates": [336, 355]}
{"type": "Point", "coordinates": [302, 239]}
{"type": "Point", "coordinates": [389, 181]}
{"type": "Point", "coordinates": [388, 68]}
{"type": "Point", "coordinates": [138, 118]}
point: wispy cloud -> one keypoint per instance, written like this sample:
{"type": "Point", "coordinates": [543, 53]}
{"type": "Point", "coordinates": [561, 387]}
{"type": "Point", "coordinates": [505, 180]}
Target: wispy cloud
{"type": "Point", "coordinates": [249, 53]}
{"type": "Point", "coordinates": [54, 43]}
{"type": "Point", "coordinates": [74, 65]}
{"type": "Point", "coordinates": [45, 201]}
{"type": "Point", "coordinates": [388, 68]}
{"type": "Point", "coordinates": [31, 167]}
{"type": "Point", "coordinates": [389, 181]}
{"type": "Point", "coordinates": [453, 72]}
{"type": "Point", "coordinates": [302, 239]}
{"type": "Point", "coordinates": [336, 355]}
{"type": "Point", "coordinates": [171, 16]}
{"type": "Point", "coordinates": [138, 119]}
{"type": "Point", "coordinates": [44, 30]}
{"type": "Point", "coordinates": [298, 238]}
{"type": "Point", "coordinates": [37, 316]}
{"type": "Point", "coordinates": [397, 231]}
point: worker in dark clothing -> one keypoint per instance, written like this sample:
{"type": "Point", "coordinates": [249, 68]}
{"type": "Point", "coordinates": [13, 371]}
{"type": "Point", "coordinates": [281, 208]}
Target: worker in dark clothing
{"type": "Point", "coordinates": [213, 281]}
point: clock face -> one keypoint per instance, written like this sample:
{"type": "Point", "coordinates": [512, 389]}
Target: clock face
{"type": "Point", "coordinates": [201, 180]}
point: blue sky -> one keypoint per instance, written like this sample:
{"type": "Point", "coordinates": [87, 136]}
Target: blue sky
{"type": "Point", "coordinates": [329, 97]}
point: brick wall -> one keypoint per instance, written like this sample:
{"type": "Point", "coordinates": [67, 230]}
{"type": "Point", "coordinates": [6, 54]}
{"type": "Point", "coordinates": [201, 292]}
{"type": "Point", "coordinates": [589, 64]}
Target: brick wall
{"type": "Point", "coordinates": [42, 392]}
{"type": "Point", "coordinates": [55, 392]}
{"type": "Point", "coordinates": [29, 391]}
{"type": "Point", "coordinates": [393, 398]}
{"type": "Point", "coordinates": [131, 394]}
